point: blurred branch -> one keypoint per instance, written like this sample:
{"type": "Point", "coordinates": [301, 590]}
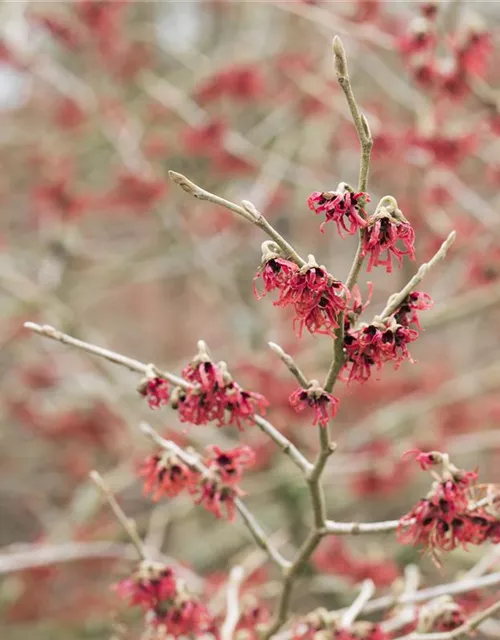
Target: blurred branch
{"type": "Point", "coordinates": [127, 523]}
{"type": "Point", "coordinates": [465, 629]}
{"type": "Point", "coordinates": [471, 303]}
{"type": "Point", "coordinates": [233, 609]}
{"type": "Point", "coordinates": [366, 593]}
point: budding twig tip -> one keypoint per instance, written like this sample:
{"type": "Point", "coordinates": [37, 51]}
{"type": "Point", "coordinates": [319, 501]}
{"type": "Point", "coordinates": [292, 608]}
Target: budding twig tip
{"type": "Point", "coordinates": [96, 477]}
{"type": "Point", "coordinates": [337, 46]}
{"type": "Point", "coordinates": [276, 348]}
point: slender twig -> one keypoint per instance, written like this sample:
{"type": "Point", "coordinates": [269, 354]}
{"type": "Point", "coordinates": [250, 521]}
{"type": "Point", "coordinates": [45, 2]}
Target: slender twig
{"type": "Point", "coordinates": [116, 358]}
{"type": "Point", "coordinates": [18, 557]}
{"type": "Point", "coordinates": [233, 606]}
{"type": "Point", "coordinates": [284, 444]}
{"type": "Point", "coordinates": [353, 528]}
{"type": "Point", "coordinates": [365, 140]}
{"type": "Point", "coordinates": [127, 523]}
{"type": "Point", "coordinates": [290, 363]}
{"type": "Point", "coordinates": [194, 462]}
{"type": "Point", "coordinates": [453, 588]}
{"type": "Point", "coordinates": [407, 613]}
{"type": "Point", "coordinates": [366, 594]}
{"type": "Point", "coordinates": [472, 623]}
{"type": "Point", "coordinates": [396, 300]}
{"type": "Point", "coordinates": [246, 210]}
{"type": "Point", "coordinates": [366, 143]}
{"type": "Point", "coordinates": [150, 369]}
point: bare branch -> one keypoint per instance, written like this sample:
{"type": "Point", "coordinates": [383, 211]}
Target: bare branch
{"type": "Point", "coordinates": [290, 363]}
{"type": "Point", "coordinates": [396, 300]}
{"type": "Point", "coordinates": [116, 358]}
{"type": "Point", "coordinates": [284, 444]}
{"type": "Point", "coordinates": [150, 369]}
{"type": "Point", "coordinates": [194, 462]}
{"type": "Point", "coordinates": [246, 210]}
{"type": "Point", "coordinates": [472, 623]}
{"type": "Point", "coordinates": [233, 609]}
{"type": "Point", "coordinates": [127, 523]}
{"type": "Point", "coordinates": [366, 593]}
{"type": "Point", "coordinates": [353, 528]}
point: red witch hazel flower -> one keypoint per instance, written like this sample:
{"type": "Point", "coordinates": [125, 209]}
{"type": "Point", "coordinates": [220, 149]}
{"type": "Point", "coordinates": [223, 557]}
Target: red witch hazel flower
{"type": "Point", "coordinates": [407, 312]}
{"type": "Point", "coordinates": [229, 465]}
{"type": "Point", "coordinates": [275, 272]}
{"type": "Point", "coordinates": [218, 489]}
{"type": "Point", "coordinates": [156, 390]}
{"type": "Point", "coordinates": [163, 596]}
{"type": "Point", "coordinates": [385, 228]}
{"type": "Point", "coordinates": [343, 206]}
{"type": "Point", "coordinates": [215, 496]}
{"type": "Point", "coordinates": [167, 474]}
{"type": "Point", "coordinates": [356, 306]}
{"type": "Point", "coordinates": [215, 396]}
{"type": "Point", "coordinates": [324, 404]}
{"type": "Point", "coordinates": [374, 344]}
{"type": "Point", "coordinates": [447, 516]}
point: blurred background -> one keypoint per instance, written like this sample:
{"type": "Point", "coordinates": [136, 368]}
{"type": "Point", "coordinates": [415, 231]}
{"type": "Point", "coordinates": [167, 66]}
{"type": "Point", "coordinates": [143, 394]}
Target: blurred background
{"type": "Point", "coordinates": [99, 99]}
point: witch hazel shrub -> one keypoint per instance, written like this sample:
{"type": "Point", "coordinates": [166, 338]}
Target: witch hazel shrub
{"type": "Point", "coordinates": [457, 511]}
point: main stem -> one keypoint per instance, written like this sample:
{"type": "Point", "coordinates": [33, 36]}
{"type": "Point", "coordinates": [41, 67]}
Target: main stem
{"type": "Point", "coordinates": [326, 446]}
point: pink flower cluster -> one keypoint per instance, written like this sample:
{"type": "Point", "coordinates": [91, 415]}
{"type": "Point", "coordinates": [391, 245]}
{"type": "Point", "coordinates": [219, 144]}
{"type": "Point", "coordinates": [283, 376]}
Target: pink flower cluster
{"type": "Point", "coordinates": [342, 206]}
{"type": "Point", "coordinates": [215, 396]}
{"type": "Point", "coordinates": [314, 397]}
{"type": "Point", "coordinates": [160, 593]}
{"type": "Point", "coordinates": [448, 516]}
{"type": "Point", "coordinates": [375, 344]}
{"type": "Point", "coordinates": [316, 297]}
{"type": "Point", "coordinates": [209, 395]}
{"type": "Point", "coordinates": [385, 230]}
{"type": "Point", "coordinates": [168, 474]}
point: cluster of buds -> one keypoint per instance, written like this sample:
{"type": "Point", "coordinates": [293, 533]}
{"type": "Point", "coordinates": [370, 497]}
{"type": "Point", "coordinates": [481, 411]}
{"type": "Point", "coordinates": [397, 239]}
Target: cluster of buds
{"type": "Point", "coordinates": [342, 206]}
{"type": "Point", "coordinates": [440, 614]}
{"type": "Point", "coordinates": [384, 230]}
{"type": "Point", "coordinates": [210, 394]}
{"type": "Point", "coordinates": [320, 625]}
{"type": "Point", "coordinates": [163, 596]}
{"type": "Point", "coordinates": [316, 297]}
{"type": "Point", "coordinates": [372, 345]}
{"type": "Point", "coordinates": [212, 482]}
{"type": "Point", "coordinates": [315, 397]}
{"type": "Point", "coordinates": [253, 618]}
{"type": "Point", "coordinates": [448, 516]}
